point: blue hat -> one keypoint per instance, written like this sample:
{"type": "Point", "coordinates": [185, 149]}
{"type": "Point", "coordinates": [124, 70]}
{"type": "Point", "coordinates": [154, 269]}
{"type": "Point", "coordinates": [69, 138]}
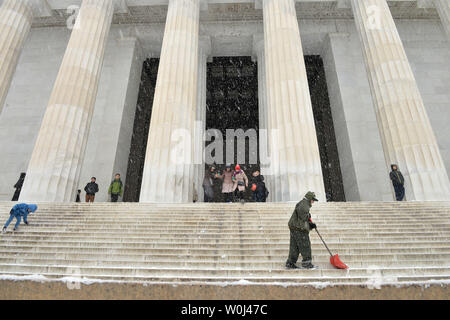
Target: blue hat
{"type": "Point", "coordinates": [32, 207]}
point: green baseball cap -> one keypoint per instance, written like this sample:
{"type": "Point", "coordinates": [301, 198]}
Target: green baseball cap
{"type": "Point", "coordinates": [311, 196]}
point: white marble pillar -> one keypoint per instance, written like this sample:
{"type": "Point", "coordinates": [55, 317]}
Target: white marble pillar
{"type": "Point", "coordinates": [56, 161]}
{"type": "Point", "coordinates": [16, 17]}
{"type": "Point", "coordinates": [169, 162]}
{"type": "Point", "coordinates": [443, 8]}
{"type": "Point", "coordinates": [294, 151]}
{"type": "Point", "coordinates": [199, 142]}
{"type": "Point", "coordinates": [407, 137]}
{"type": "Point", "coordinates": [258, 51]}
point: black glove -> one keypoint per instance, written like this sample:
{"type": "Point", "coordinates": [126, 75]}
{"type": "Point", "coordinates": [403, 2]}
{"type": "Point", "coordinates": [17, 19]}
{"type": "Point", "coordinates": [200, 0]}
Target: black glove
{"type": "Point", "coordinates": [312, 225]}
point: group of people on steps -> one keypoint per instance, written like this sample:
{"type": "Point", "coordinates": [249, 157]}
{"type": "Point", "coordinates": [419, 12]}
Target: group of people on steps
{"type": "Point", "coordinates": [234, 184]}
{"type": "Point", "coordinates": [115, 190]}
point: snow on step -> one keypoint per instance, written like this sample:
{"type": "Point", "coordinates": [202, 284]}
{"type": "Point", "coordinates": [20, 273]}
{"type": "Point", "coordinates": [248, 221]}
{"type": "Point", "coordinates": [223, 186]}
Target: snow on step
{"type": "Point", "coordinates": [219, 243]}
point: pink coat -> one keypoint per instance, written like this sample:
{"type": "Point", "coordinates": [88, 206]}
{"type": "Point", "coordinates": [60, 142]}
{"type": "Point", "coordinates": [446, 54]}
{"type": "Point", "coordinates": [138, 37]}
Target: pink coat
{"type": "Point", "coordinates": [240, 176]}
{"type": "Point", "coordinates": [227, 185]}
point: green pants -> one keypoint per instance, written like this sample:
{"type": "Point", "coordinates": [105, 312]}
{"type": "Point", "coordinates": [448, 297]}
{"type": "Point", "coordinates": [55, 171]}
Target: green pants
{"type": "Point", "coordinates": [299, 244]}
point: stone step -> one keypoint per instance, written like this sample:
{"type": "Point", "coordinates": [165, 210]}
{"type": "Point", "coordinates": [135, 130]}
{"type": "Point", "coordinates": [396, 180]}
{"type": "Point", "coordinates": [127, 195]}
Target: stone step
{"type": "Point", "coordinates": [228, 242]}
{"type": "Point", "coordinates": [146, 218]}
{"type": "Point", "coordinates": [232, 265]}
{"type": "Point", "coordinates": [163, 245]}
{"type": "Point", "coordinates": [178, 237]}
{"type": "Point", "coordinates": [244, 264]}
{"type": "Point", "coordinates": [203, 242]}
{"type": "Point", "coordinates": [231, 233]}
{"type": "Point", "coordinates": [139, 254]}
{"type": "Point", "coordinates": [149, 218]}
{"type": "Point", "coordinates": [412, 225]}
{"type": "Point", "coordinates": [362, 255]}
{"type": "Point", "coordinates": [221, 207]}
{"type": "Point", "coordinates": [233, 214]}
{"type": "Point", "coordinates": [343, 248]}
{"type": "Point", "coordinates": [319, 255]}
{"type": "Point", "coordinates": [373, 280]}
{"type": "Point", "coordinates": [317, 249]}
{"type": "Point", "coordinates": [267, 204]}
{"type": "Point", "coordinates": [281, 221]}
{"type": "Point", "coordinates": [177, 271]}
{"type": "Point", "coordinates": [238, 226]}
{"type": "Point", "coordinates": [205, 232]}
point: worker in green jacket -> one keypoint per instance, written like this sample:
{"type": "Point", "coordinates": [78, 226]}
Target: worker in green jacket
{"type": "Point", "coordinates": [116, 188]}
{"type": "Point", "coordinates": [299, 225]}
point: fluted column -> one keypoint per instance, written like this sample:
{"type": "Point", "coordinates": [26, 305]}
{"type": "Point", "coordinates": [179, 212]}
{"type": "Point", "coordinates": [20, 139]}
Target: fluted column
{"type": "Point", "coordinates": [200, 118]}
{"type": "Point", "coordinates": [169, 169]}
{"type": "Point", "coordinates": [294, 151]}
{"type": "Point", "coordinates": [55, 164]}
{"type": "Point", "coordinates": [16, 17]}
{"type": "Point", "coordinates": [443, 8]}
{"type": "Point", "coordinates": [407, 137]}
{"type": "Point", "coordinates": [264, 130]}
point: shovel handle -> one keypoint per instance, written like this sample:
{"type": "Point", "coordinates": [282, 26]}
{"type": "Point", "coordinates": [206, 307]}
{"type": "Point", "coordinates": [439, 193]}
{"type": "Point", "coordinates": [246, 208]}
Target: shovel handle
{"type": "Point", "coordinates": [324, 242]}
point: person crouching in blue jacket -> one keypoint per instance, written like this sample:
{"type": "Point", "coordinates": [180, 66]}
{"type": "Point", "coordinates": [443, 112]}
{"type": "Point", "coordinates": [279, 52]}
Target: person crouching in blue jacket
{"type": "Point", "coordinates": [18, 211]}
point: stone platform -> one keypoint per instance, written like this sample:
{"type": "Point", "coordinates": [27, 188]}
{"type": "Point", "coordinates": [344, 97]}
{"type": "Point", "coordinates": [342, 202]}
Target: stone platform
{"type": "Point", "coordinates": [224, 251]}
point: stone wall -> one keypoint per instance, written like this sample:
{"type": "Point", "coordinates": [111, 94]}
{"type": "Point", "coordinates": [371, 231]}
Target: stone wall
{"type": "Point", "coordinates": [359, 144]}
{"type": "Point", "coordinates": [110, 135]}
{"type": "Point", "coordinates": [428, 51]}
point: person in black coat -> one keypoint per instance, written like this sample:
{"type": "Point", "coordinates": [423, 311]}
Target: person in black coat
{"type": "Point", "coordinates": [398, 182]}
{"type": "Point", "coordinates": [208, 184]}
{"type": "Point", "coordinates": [260, 193]}
{"type": "Point", "coordinates": [18, 187]}
{"type": "Point", "coordinates": [91, 189]}
{"type": "Point", "coordinates": [78, 198]}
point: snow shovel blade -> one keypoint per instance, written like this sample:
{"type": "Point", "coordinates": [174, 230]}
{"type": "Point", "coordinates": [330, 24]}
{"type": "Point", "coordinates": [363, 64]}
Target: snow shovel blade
{"type": "Point", "coordinates": [336, 262]}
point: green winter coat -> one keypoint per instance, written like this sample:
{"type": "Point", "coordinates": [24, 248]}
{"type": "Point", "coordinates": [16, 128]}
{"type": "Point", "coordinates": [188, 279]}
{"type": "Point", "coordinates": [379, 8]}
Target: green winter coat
{"type": "Point", "coordinates": [300, 217]}
{"type": "Point", "coordinates": [116, 187]}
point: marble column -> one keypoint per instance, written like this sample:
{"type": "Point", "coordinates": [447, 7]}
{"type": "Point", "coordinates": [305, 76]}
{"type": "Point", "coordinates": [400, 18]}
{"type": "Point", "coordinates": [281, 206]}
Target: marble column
{"type": "Point", "coordinates": [258, 51]}
{"type": "Point", "coordinates": [200, 118]}
{"type": "Point", "coordinates": [16, 17]}
{"type": "Point", "coordinates": [443, 8]}
{"type": "Point", "coordinates": [54, 168]}
{"type": "Point", "coordinates": [294, 152]}
{"type": "Point", "coordinates": [406, 133]}
{"type": "Point", "coordinates": [169, 162]}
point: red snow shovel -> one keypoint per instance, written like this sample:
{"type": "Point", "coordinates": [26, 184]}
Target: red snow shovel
{"type": "Point", "coordinates": [334, 259]}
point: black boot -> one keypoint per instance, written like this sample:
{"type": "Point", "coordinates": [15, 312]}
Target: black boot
{"type": "Point", "coordinates": [308, 266]}
{"type": "Point", "coordinates": [291, 266]}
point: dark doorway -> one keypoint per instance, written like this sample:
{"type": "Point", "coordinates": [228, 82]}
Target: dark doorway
{"type": "Point", "coordinates": [232, 103]}
{"type": "Point", "coordinates": [141, 128]}
{"type": "Point", "coordinates": [329, 156]}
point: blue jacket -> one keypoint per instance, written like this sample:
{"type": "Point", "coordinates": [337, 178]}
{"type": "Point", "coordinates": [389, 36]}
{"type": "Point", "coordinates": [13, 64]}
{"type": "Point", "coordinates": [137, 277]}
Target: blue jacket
{"type": "Point", "coordinates": [21, 209]}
